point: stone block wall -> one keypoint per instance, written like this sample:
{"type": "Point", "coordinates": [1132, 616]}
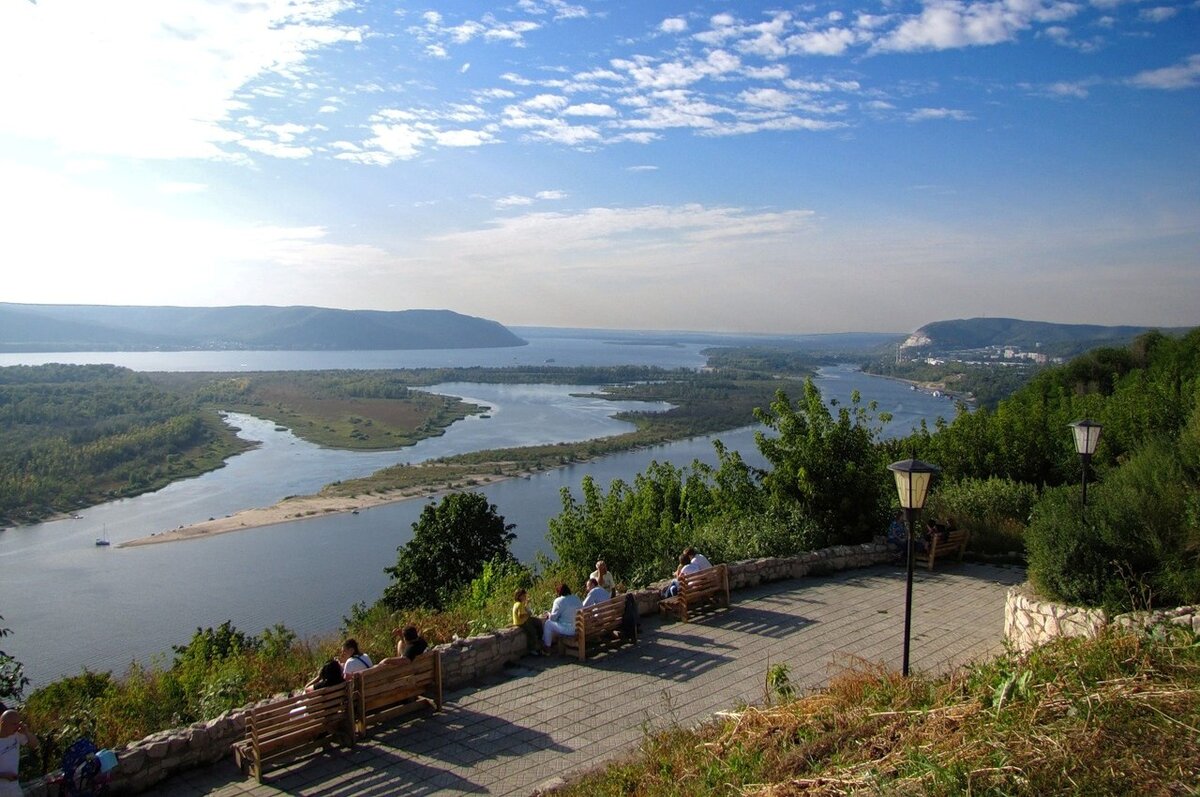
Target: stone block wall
{"type": "Point", "coordinates": [1030, 621]}
{"type": "Point", "coordinates": [144, 763]}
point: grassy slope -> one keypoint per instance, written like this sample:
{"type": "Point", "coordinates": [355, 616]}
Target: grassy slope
{"type": "Point", "coordinates": [1117, 715]}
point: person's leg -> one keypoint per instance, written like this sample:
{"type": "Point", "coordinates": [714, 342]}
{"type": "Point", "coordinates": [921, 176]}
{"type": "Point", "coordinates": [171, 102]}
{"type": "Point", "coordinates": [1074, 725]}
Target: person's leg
{"type": "Point", "coordinates": [548, 631]}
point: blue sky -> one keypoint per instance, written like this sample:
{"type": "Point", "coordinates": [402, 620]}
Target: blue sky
{"type": "Point", "coordinates": [655, 165]}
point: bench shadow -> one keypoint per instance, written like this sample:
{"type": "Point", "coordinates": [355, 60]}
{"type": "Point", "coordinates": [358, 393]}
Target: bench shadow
{"type": "Point", "coordinates": [653, 655]}
{"type": "Point", "coordinates": [761, 622]}
{"type": "Point", "coordinates": [461, 737]}
{"type": "Point", "coordinates": [370, 771]}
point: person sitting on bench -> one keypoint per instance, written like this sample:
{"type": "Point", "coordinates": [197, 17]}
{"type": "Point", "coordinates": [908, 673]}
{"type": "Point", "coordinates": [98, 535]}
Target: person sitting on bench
{"type": "Point", "coordinates": [561, 619]}
{"type": "Point", "coordinates": [687, 566]}
{"type": "Point", "coordinates": [595, 593]}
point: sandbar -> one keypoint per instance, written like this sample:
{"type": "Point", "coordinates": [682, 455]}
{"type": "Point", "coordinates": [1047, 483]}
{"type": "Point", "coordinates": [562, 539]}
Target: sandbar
{"type": "Point", "coordinates": [302, 507]}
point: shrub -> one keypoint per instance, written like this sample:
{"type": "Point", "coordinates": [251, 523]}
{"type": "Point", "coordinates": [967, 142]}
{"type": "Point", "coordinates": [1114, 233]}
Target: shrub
{"type": "Point", "coordinates": [1137, 548]}
{"type": "Point", "coordinates": [995, 511]}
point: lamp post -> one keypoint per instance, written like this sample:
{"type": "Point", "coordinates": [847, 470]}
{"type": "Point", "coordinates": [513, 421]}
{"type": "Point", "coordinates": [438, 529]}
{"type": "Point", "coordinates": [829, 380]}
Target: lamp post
{"type": "Point", "coordinates": [1087, 435]}
{"type": "Point", "coordinates": [912, 483]}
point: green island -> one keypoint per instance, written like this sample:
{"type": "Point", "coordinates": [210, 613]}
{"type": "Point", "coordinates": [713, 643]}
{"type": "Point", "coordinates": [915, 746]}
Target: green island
{"type": "Point", "coordinates": [1110, 715]}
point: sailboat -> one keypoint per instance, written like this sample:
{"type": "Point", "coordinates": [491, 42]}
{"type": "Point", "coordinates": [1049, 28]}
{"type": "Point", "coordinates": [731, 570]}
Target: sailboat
{"type": "Point", "coordinates": [103, 538]}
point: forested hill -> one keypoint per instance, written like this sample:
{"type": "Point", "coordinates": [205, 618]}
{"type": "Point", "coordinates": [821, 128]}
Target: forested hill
{"type": "Point", "coordinates": [1059, 339]}
{"type": "Point", "coordinates": [49, 327]}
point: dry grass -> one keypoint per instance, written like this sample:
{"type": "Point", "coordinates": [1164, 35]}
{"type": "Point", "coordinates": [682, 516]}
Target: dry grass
{"type": "Point", "coordinates": [1118, 715]}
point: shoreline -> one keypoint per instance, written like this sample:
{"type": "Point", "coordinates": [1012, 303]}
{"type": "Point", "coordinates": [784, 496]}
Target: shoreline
{"type": "Point", "coordinates": [301, 507]}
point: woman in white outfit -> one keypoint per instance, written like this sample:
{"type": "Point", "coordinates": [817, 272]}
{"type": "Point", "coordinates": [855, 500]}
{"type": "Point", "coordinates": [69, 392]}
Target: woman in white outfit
{"type": "Point", "coordinates": [561, 619]}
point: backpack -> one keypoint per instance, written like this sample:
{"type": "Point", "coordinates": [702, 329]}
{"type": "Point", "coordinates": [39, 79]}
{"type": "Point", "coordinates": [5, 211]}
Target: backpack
{"type": "Point", "coordinates": [630, 619]}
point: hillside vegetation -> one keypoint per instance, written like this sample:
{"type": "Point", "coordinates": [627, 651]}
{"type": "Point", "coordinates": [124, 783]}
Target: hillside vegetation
{"type": "Point", "coordinates": [1117, 715]}
{"type": "Point", "coordinates": [1050, 338]}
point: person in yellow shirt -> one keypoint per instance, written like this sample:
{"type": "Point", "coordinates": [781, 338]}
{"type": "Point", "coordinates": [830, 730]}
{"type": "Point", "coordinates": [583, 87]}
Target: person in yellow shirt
{"type": "Point", "coordinates": [532, 626]}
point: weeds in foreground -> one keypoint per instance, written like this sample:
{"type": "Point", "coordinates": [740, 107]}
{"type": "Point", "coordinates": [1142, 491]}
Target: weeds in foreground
{"type": "Point", "coordinates": [1115, 715]}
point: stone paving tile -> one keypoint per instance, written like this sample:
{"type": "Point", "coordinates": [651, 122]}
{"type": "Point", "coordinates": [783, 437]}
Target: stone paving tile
{"type": "Point", "coordinates": [549, 717]}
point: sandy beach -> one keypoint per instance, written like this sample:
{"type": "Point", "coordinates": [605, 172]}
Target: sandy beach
{"type": "Point", "coordinates": [301, 507]}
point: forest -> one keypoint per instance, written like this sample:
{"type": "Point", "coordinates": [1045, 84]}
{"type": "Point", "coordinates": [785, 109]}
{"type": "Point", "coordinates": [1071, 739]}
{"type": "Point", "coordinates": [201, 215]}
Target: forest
{"type": "Point", "coordinates": [74, 435]}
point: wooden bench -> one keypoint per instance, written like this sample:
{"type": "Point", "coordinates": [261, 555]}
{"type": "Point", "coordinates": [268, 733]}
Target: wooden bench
{"type": "Point", "coordinates": [295, 725]}
{"type": "Point", "coordinates": [386, 691]}
{"type": "Point", "coordinates": [955, 541]}
{"type": "Point", "coordinates": [696, 589]}
{"type": "Point", "coordinates": [597, 626]}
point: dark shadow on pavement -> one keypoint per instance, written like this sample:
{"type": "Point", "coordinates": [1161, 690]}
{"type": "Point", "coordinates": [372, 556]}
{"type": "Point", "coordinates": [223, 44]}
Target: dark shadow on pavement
{"type": "Point", "coordinates": [461, 737]}
{"type": "Point", "coordinates": [655, 655]}
{"type": "Point", "coordinates": [761, 622]}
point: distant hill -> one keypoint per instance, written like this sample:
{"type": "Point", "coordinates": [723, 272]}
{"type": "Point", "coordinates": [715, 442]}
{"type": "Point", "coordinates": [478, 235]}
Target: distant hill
{"type": "Point", "coordinates": [53, 327]}
{"type": "Point", "coordinates": [1044, 336]}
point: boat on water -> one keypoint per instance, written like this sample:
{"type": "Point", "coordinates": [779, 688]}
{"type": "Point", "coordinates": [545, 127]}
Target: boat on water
{"type": "Point", "coordinates": [102, 540]}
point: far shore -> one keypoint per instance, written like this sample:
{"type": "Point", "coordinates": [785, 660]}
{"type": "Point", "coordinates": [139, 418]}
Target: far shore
{"type": "Point", "coordinates": [302, 507]}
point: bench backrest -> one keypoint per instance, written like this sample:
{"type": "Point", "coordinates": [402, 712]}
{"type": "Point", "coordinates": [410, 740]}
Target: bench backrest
{"type": "Point", "coordinates": [954, 539]}
{"type": "Point", "coordinates": [605, 616]}
{"type": "Point", "coordinates": [708, 580]}
{"type": "Point", "coordinates": [297, 718]}
{"type": "Point", "coordinates": [385, 684]}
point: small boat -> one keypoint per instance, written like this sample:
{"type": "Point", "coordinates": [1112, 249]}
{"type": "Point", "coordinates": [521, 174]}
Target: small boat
{"type": "Point", "coordinates": [103, 538]}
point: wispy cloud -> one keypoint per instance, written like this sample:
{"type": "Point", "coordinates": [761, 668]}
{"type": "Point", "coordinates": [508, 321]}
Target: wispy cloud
{"type": "Point", "coordinates": [1185, 75]}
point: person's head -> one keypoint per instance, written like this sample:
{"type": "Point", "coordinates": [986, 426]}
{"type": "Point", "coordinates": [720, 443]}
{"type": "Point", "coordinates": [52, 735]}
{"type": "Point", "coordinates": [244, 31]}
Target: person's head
{"type": "Point", "coordinates": [330, 675]}
{"type": "Point", "coordinates": [10, 720]}
{"type": "Point", "coordinates": [563, 590]}
{"type": "Point", "coordinates": [689, 552]}
{"type": "Point", "coordinates": [685, 559]}
{"type": "Point", "coordinates": [350, 648]}
{"type": "Point", "coordinates": [520, 595]}
{"type": "Point", "coordinates": [411, 634]}
{"type": "Point", "coordinates": [592, 584]}
{"type": "Point", "coordinates": [601, 568]}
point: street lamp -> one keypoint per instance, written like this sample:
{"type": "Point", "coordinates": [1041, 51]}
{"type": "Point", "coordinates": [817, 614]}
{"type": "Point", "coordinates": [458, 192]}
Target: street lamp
{"type": "Point", "coordinates": [1087, 435]}
{"type": "Point", "coordinates": [912, 483]}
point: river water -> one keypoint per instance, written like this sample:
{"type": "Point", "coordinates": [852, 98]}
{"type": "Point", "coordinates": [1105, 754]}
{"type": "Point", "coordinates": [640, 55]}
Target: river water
{"type": "Point", "coordinates": [73, 605]}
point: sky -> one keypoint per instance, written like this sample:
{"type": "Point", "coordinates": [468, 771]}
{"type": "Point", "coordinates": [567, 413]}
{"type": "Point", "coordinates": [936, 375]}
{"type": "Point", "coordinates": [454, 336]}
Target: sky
{"type": "Point", "coordinates": [636, 164]}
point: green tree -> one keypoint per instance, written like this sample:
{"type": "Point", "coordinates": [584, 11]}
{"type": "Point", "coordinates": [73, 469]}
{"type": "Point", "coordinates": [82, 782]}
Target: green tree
{"type": "Point", "coordinates": [829, 466]}
{"type": "Point", "coordinates": [452, 540]}
{"type": "Point", "coordinates": [12, 673]}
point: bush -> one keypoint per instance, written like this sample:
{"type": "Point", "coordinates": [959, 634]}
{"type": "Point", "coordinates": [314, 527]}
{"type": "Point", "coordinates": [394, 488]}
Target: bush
{"type": "Point", "coordinates": [773, 533]}
{"type": "Point", "coordinates": [995, 511]}
{"type": "Point", "coordinates": [1137, 548]}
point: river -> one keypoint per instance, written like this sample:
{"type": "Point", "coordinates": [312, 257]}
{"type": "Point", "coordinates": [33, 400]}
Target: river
{"type": "Point", "coordinates": [72, 604]}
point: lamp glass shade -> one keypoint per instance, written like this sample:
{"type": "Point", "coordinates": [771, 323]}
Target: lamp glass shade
{"type": "Point", "coordinates": [1087, 435]}
{"type": "Point", "coordinates": [912, 481]}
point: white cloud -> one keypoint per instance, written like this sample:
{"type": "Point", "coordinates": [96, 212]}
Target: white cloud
{"type": "Point", "coordinates": [767, 98]}
{"type": "Point", "coordinates": [641, 168]}
{"type": "Point", "coordinates": [1185, 75]}
{"type": "Point", "coordinates": [928, 114]}
{"type": "Point", "coordinates": [951, 24]}
{"type": "Point", "coordinates": [590, 109]}
{"type": "Point", "coordinates": [512, 201]}
{"type": "Point", "coordinates": [554, 194]}
{"type": "Point", "coordinates": [463, 138]}
{"type": "Point", "coordinates": [1158, 13]}
{"type": "Point", "coordinates": [151, 79]}
{"type": "Point", "coordinates": [274, 148]}
{"type": "Point", "coordinates": [833, 41]}
{"type": "Point", "coordinates": [673, 25]}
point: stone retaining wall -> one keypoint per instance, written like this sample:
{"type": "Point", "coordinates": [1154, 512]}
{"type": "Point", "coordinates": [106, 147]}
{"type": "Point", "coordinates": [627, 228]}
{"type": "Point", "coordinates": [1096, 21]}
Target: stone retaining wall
{"type": "Point", "coordinates": [1030, 621]}
{"type": "Point", "coordinates": [144, 763]}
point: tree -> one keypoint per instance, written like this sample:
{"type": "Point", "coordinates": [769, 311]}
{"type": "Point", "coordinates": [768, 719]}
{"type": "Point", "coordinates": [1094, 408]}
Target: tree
{"type": "Point", "coordinates": [831, 468]}
{"type": "Point", "coordinates": [12, 674]}
{"type": "Point", "coordinates": [452, 541]}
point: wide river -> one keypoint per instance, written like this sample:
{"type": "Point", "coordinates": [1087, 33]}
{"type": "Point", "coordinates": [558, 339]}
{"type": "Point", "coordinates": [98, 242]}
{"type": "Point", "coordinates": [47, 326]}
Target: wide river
{"type": "Point", "coordinates": [72, 604]}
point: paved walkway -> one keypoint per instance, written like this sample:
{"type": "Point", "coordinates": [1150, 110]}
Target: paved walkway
{"type": "Point", "coordinates": [550, 717]}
